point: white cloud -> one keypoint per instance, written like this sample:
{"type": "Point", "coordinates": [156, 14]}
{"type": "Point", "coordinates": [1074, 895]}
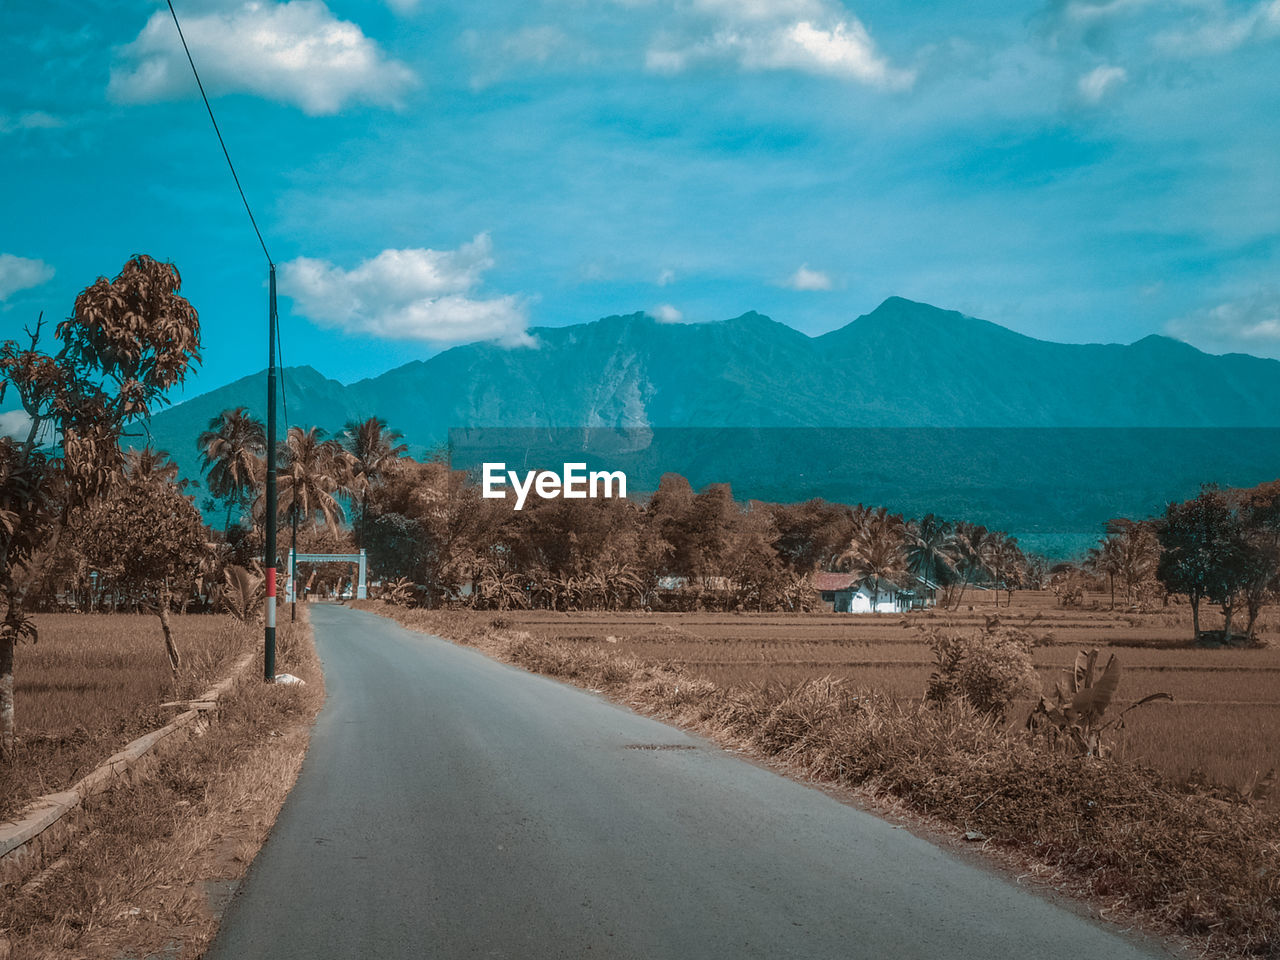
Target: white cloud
{"type": "Point", "coordinates": [666, 313]}
{"type": "Point", "coordinates": [666, 277]}
{"type": "Point", "coordinates": [15, 423]}
{"type": "Point", "coordinates": [806, 279]}
{"type": "Point", "coordinates": [412, 294]}
{"type": "Point", "coordinates": [1250, 323]}
{"type": "Point", "coordinates": [812, 36]}
{"type": "Point", "coordinates": [31, 120]}
{"type": "Point", "coordinates": [19, 273]}
{"type": "Point", "coordinates": [1098, 82]}
{"type": "Point", "coordinates": [497, 54]}
{"type": "Point", "coordinates": [1224, 34]}
{"type": "Point", "coordinates": [1087, 12]}
{"type": "Point", "coordinates": [296, 52]}
{"type": "Point", "coordinates": [844, 50]}
{"type": "Point", "coordinates": [536, 44]}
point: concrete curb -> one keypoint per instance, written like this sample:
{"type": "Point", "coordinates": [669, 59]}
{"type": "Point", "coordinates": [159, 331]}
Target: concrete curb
{"type": "Point", "coordinates": [26, 837]}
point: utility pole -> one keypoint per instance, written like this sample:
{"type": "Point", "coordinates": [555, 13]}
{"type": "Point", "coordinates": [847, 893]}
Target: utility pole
{"type": "Point", "coordinates": [269, 558]}
{"type": "Point", "coordinates": [269, 554]}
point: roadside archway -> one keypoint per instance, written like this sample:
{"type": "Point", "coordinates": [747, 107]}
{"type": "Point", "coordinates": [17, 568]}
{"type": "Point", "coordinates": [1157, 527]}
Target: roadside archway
{"type": "Point", "coordinates": [362, 592]}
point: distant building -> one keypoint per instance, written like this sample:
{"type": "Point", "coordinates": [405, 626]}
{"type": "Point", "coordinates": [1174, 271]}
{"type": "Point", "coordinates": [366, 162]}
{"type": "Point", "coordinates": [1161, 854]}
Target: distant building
{"type": "Point", "coordinates": [705, 583]}
{"type": "Point", "coordinates": [842, 593]}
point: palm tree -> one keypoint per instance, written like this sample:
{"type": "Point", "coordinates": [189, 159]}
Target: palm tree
{"type": "Point", "coordinates": [312, 473]}
{"type": "Point", "coordinates": [968, 549]}
{"type": "Point", "coordinates": [231, 453]}
{"type": "Point", "coordinates": [1004, 560]}
{"type": "Point", "coordinates": [150, 465]}
{"type": "Point", "coordinates": [877, 553]}
{"type": "Point", "coordinates": [373, 451]}
{"type": "Point", "coordinates": [1107, 559]}
{"type": "Point", "coordinates": [928, 543]}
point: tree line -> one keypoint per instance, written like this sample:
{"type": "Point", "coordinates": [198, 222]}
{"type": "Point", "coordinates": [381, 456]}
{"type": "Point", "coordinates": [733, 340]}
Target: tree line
{"type": "Point", "coordinates": [426, 527]}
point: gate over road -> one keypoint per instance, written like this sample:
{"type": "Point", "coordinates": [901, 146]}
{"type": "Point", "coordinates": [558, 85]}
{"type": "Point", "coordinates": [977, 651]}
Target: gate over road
{"type": "Point", "coordinates": [362, 592]}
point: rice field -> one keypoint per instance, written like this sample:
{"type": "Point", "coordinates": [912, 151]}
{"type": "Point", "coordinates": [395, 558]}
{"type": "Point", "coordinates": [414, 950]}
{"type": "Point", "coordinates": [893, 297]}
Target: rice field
{"type": "Point", "coordinates": [1223, 726]}
{"type": "Point", "coordinates": [95, 682]}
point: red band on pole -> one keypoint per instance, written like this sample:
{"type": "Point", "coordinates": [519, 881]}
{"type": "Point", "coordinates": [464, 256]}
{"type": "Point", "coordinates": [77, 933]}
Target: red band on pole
{"type": "Point", "coordinates": [271, 581]}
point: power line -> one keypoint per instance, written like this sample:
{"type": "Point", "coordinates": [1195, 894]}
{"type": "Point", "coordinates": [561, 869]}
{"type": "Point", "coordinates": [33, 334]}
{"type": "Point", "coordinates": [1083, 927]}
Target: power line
{"type": "Point", "coordinates": [275, 350]}
{"type": "Point", "coordinates": [222, 142]}
{"type": "Point", "coordinates": [275, 320]}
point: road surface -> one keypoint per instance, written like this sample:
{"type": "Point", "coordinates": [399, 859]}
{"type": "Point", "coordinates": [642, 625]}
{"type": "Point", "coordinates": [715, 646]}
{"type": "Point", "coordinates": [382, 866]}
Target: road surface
{"type": "Point", "coordinates": [451, 806]}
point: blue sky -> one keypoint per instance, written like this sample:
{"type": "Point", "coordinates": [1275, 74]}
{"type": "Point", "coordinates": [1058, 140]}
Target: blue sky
{"type": "Point", "coordinates": [430, 173]}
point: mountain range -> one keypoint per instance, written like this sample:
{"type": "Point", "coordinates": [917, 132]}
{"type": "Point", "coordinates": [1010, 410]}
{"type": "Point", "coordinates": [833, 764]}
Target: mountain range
{"type": "Point", "coordinates": [904, 365]}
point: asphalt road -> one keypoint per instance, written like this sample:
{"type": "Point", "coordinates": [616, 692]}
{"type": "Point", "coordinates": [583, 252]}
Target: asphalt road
{"type": "Point", "coordinates": [451, 806]}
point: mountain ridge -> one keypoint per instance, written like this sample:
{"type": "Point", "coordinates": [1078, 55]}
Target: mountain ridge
{"type": "Point", "coordinates": [904, 365]}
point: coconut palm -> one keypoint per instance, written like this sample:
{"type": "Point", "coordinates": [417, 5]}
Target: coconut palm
{"type": "Point", "coordinates": [311, 478]}
{"type": "Point", "coordinates": [928, 545]}
{"type": "Point", "coordinates": [373, 451]}
{"type": "Point", "coordinates": [877, 553]}
{"type": "Point", "coordinates": [1003, 558]}
{"type": "Point", "coordinates": [150, 465]}
{"type": "Point", "coordinates": [968, 551]}
{"type": "Point", "coordinates": [231, 453]}
{"type": "Point", "coordinates": [1107, 559]}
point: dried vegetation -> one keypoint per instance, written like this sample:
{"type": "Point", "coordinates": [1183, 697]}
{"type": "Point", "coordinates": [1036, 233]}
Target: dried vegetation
{"type": "Point", "coordinates": [150, 860]}
{"type": "Point", "coordinates": [93, 683]}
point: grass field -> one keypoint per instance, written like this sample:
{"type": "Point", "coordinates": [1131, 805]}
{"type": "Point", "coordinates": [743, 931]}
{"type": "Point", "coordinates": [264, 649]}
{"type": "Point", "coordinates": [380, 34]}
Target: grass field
{"type": "Point", "coordinates": [94, 682]}
{"type": "Point", "coordinates": [1223, 726]}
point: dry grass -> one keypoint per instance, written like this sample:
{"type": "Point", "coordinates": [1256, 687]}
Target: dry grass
{"type": "Point", "coordinates": [1181, 860]}
{"type": "Point", "coordinates": [1217, 691]}
{"type": "Point", "coordinates": [136, 881]}
{"type": "Point", "coordinates": [94, 682]}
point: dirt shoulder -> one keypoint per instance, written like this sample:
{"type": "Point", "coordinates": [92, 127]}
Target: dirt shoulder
{"type": "Point", "coordinates": [152, 862]}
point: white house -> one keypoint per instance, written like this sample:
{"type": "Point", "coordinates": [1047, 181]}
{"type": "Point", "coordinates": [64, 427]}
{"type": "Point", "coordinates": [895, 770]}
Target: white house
{"type": "Point", "coordinates": [845, 595]}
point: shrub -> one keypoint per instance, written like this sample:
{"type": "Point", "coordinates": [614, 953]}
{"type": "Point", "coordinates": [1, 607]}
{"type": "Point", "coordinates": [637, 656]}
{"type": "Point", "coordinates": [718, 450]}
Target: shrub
{"type": "Point", "coordinates": [989, 669]}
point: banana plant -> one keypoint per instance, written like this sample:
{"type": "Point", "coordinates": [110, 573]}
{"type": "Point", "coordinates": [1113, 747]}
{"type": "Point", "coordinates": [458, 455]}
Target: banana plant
{"type": "Point", "coordinates": [243, 593]}
{"type": "Point", "coordinates": [1075, 716]}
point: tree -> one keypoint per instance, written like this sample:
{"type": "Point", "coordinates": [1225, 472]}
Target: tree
{"type": "Point", "coordinates": [811, 534]}
{"type": "Point", "coordinates": [315, 469]}
{"type": "Point", "coordinates": [928, 543]}
{"type": "Point", "coordinates": [1005, 561]}
{"type": "Point", "coordinates": [753, 561]}
{"type": "Point", "coordinates": [1261, 515]}
{"type": "Point", "coordinates": [1205, 554]}
{"type": "Point", "coordinates": [232, 451]}
{"type": "Point", "coordinates": [968, 551]}
{"type": "Point", "coordinates": [127, 341]}
{"type": "Point", "coordinates": [144, 539]}
{"type": "Point", "coordinates": [1107, 559]}
{"type": "Point", "coordinates": [667, 517]}
{"type": "Point", "coordinates": [373, 451]}
{"type": "Point", "coordinates": [877, 554]}
{"type": "Point", "coordinates": [149, 465]}
{"type": "Point", "coordinates": [1139, 553]}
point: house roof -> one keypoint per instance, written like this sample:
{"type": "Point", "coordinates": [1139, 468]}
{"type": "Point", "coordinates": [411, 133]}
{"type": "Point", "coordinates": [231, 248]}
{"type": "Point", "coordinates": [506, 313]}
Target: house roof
{"type": "Point", "coordinates": [824, 580]}
{"type": "Point", "coordinates": [833, 581]}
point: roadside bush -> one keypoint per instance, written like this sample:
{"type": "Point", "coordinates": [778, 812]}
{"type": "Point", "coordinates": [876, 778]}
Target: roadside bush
{"type": "Point", "coordinates": [989, 669]}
